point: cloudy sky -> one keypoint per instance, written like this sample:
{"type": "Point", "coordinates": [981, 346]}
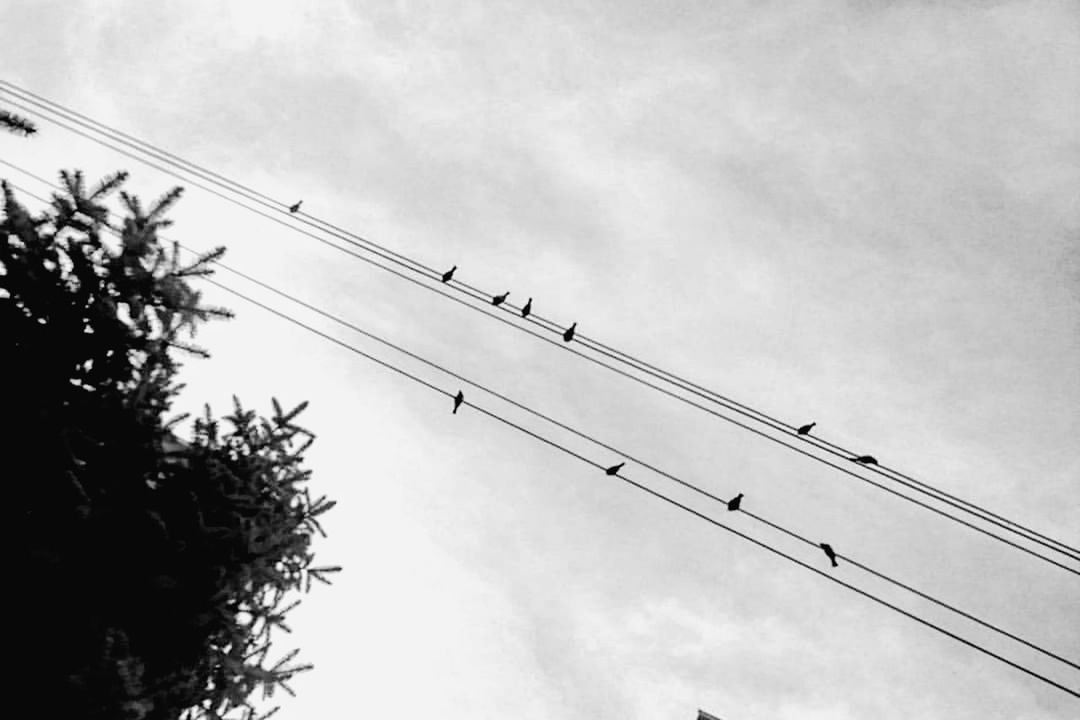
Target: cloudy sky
{"type": "Point", "coordinates": [864, 214]}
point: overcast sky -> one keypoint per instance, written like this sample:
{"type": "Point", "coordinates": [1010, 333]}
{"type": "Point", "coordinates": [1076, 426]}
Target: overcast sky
{"type": "Point", "coordinates": [864, 214]}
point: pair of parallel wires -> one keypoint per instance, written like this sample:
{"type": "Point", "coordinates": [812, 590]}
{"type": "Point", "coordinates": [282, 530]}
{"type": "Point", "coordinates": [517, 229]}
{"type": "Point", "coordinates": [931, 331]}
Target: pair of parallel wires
{"type": "Point", "coordinates": [644, 464]}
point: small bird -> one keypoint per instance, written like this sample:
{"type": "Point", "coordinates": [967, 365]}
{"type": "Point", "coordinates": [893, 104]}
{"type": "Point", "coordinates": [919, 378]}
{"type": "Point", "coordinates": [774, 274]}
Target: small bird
{"type": "Point", "coordinates": [805, 429]}
{"type": "Point", "coordinates": [569, 334]}
{"type": "Point", "coordinates": [865, 460]}
{"type": "Point", "coordinates": [733, 503]}
{"type": "Point", "coordinates": [295, 208]}
{"type": "Point", "coordinates": [448, 274]}
{"type": "Point", "coordinates": [829, 553]}
{"type": "Point", "coordinates": [614, 469]}
{"type": "Point", "coordinates": [527, 309]}
{"type": "Point", "coordinates": [500, 299]}
{"type": "Point", "coordinates": [458, 399]}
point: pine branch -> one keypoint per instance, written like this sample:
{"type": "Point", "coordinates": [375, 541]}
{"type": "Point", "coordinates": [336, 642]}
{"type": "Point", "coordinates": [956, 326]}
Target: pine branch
{"type": "Point", "coordinates": [108, 184]}
{"type": "Point", "coordinates": [162, 205]}
{"type": "Point", "coordinates": [16, 123]}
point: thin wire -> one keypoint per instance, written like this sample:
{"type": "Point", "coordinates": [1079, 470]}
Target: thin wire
{"type": "Point", "coordinates": [617, 451]}
{"type": "Point", "coordinates": [774, 424]}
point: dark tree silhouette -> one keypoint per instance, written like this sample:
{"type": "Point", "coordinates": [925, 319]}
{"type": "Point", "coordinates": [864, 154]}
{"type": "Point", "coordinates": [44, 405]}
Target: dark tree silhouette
{"type": "Point", "coordinates": [148, 571]}
{"type": "Point", "coordinates": [16, 124]}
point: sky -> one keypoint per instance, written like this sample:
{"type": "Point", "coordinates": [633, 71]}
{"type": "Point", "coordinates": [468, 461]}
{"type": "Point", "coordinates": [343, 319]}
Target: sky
{"type": "Point", "coordinates": [860, 213]}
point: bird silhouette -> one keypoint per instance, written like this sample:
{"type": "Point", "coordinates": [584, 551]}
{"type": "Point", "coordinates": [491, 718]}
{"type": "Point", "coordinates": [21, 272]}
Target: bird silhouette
{"type": "Point", "coordinates": [295, 208]}
{"type": "Point", "coordinates": [569, 334]}
{"type": "Point", "coordinates": [733, 503]}
{"type": "Point", "coordinates": [614, 469]}
{"type": "Point", "coordinates": [448, 274]}
{"type": "Point", "coordinates": [527, 309]}
{"type": "Point", "coordinates": [458, 399]}
{"type": "Point", "coordinates": [829, 553]}
{"type": "Point", "coordinates": [500, 299]}
{"type": "Point", "coordinates": [805, 429]}
{"type": "Point", "coordinates": [865, 460]}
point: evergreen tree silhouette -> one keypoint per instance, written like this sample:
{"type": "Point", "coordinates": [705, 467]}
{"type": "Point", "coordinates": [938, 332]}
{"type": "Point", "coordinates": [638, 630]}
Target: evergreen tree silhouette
{"type": "Point", "coordinates": [149, 570]}
{"type": "Point", "coordinates": [16, 124]}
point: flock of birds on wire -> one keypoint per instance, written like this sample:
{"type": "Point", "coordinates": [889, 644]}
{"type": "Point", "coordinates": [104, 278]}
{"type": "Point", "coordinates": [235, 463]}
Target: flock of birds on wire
{"type": "Point", "coordinates": [568, 335]}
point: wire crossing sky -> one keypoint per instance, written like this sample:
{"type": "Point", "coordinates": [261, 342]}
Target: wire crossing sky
{"type": "Point", "coordinates": [427, 272]}
{"type": "Point", "coordinates": [858, 215]}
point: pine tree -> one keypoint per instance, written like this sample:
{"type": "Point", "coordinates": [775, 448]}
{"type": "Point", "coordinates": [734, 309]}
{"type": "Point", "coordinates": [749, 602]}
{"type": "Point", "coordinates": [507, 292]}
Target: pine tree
{"type": "Point", "coordinates": [16, 124]}
{"type": "Point", "coordinates": [149, 571]}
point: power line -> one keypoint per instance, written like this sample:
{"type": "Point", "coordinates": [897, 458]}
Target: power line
{"type": "Point", "coordinates": [615, 450]}
{"type": "Point", "coordinates": [474, 293]}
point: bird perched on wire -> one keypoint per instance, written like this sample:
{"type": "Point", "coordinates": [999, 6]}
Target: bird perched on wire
{"type": "Point", "coordinates": [829, 553]}
{"type": "Point", "coordinates": [448, 274]}
{"type": "Point", "coordinates": [500, 299]}
{"type": "Point", "coordinates": [458, 399]}
{"type": "Point", "coordinates": [805, 429]}
{"type": "Point", "coordinates": [296, 208]}
{"type": "Point", "coordinates": [614, 469]}
{"type": "Point", "coordinates": [527, 309]}
{"type": "Point", "coordinates": [734, 503]}
{"type": "Point", "coordinates": [865, 460]}
{"type": "Point", "coordinates": [569, 334]}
